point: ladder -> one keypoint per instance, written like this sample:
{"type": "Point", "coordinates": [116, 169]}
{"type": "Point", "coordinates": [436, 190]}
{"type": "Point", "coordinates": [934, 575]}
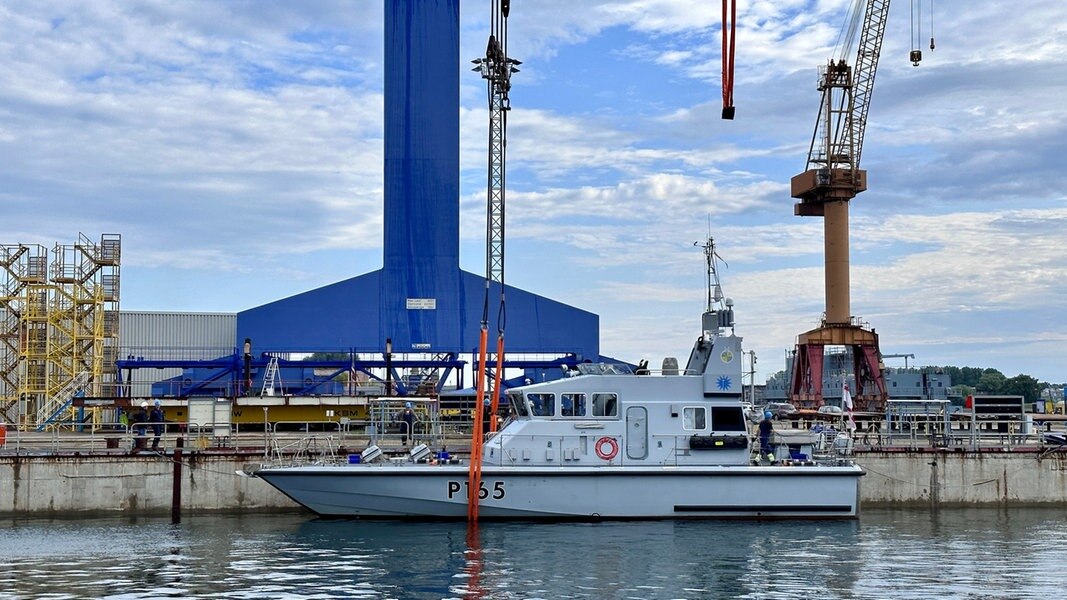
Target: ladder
{"type": "Point", "coordinates": [269, 376]}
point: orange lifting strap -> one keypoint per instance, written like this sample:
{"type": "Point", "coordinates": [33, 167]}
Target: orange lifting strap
{"type": "Point", "coordinates": [494, 406]}
{"type": "Point", "coordinates": [474, 475]}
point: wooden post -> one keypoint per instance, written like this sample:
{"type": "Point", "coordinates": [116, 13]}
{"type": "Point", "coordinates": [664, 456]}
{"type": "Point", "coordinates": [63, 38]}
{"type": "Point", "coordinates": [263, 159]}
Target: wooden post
{"type": "Point", "coordinates": [176, 484]}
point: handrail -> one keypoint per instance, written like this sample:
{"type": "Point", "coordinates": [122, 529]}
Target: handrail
{"type": "Point", "coordinates": [283, 437]}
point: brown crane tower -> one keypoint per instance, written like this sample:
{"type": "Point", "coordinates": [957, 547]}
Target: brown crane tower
{"type": "Point", "coordinates": [824, 189]}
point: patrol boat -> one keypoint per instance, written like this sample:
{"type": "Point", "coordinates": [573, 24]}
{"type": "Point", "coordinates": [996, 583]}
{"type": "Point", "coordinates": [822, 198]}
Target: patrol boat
{"type": "Point", "coordinates": [605, 442]}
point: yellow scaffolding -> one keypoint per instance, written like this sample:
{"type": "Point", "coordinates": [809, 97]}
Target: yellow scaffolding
{"type": "Point", "coordinates": [58, 330]}
{"type": "Point", "coordinates": [24, 333]}
{"type": "Point", "coordinates": [12, 262]}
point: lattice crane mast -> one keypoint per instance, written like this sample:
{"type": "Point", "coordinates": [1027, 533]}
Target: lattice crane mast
{"type": "Point", "coordinates": [496, 68]}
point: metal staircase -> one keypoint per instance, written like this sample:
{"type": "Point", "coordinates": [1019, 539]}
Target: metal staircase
{"type": "Point", "coordinates": [269, 376]}
{"type": "Point", "coordinates": [52, 410]}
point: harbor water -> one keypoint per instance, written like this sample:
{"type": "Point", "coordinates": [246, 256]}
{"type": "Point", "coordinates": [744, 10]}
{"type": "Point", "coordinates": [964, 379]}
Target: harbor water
{"type": "Point", "coordinates": [950, 553]}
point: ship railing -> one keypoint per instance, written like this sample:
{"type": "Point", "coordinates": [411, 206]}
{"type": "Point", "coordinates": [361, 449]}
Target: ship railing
{"type": "Point", "coordinates": [818, 445]}
{"type": "Point", "coordinates": [963, 432]}
{"type": "Point", "coordinates": [304, 438]}
{"type": "Point", "coordinates": [308, 449]}
{"type": "Point", "coordinates": [957, 431]}
{"type": "Point", "coordinates": [123, 436]}
{"type": "Point", "coordinates": [351, 435]}
{"type": "Point", "coordinates": [832, 444]}
{"type": "Point", "coordinates": [312, 438]}
{"type": "Point", "coordinates": [667, 372]}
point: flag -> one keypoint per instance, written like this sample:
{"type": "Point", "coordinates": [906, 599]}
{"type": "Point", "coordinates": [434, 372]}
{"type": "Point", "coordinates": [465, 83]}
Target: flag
{"type": "Point", "coordinates": [846, 402]}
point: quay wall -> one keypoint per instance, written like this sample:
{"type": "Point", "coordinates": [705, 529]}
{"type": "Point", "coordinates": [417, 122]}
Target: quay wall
{"type": "Point", "coordinates": [940, 477]}
{"type": "Point", "coordinates": [139, 484]}
{"type": "Point", "coordinates": [142, 484]}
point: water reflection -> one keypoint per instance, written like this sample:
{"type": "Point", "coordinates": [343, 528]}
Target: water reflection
{"type": "Point", "coordinates": [472, 589]}
{"type": "Point", "coordinates": [966, 553]}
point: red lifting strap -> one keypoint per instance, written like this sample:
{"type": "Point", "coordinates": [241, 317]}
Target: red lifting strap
{"type": "Point", "coordinates": [729, 27]}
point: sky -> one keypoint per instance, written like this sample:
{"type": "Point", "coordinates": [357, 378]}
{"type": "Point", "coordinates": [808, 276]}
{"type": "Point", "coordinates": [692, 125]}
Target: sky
{"type": "Point", "coordinates": [237, 149]}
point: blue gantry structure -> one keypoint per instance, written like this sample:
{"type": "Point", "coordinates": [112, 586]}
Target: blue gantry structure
{"type": "Point", "coordinates": [420, 310]}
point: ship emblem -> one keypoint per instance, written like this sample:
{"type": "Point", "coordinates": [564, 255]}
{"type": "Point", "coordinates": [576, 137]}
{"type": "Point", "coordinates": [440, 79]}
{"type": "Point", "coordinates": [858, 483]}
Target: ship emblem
{"type": "Point", "coordinates": [726, 356]}
{"type": "Point", "coordinates": [723, 382]}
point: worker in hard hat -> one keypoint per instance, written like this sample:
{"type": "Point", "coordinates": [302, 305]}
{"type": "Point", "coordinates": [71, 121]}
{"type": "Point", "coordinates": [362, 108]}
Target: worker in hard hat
{"type": "Point", "coordinates": [156, 419]}
{"type": "Point", "coordinates": [766, 428]}
{"type": "Point", "coordinates": [407, 423]}
{"type": "Point", "coordinates": [139, 421]}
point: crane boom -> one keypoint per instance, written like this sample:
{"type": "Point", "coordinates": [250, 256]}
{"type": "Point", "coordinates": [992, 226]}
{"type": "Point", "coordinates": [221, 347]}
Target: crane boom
{"type": "Point", "coordinates": [833, 171]}
{"type": "Point", "coordinates": [867, 54]}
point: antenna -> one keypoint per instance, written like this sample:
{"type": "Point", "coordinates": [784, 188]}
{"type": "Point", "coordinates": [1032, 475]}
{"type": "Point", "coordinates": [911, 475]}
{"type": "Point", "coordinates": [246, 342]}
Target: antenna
{"type": "Point", "coordinates": [715, 300]}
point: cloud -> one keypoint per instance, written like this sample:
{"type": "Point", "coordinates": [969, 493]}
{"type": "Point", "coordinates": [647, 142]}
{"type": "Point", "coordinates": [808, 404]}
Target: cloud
{"type": "Point", "coordinates": [238, 149]}
{"type": "Point", "coordinates": [155, 112]}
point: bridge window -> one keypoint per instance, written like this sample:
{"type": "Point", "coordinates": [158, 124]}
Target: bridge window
{"type": "Point", "coordinates": [605, 405]}
{"type": "Point", "coordinates": [543, 405]}
{"type": "Point", "coordinates": [727, 418]}
{"type": "Point", "coordinates": [694, 418]}
{"type": "Point", "coordinates": [572, 405]}
{"type": "Point", "coordinates": [517, 404]}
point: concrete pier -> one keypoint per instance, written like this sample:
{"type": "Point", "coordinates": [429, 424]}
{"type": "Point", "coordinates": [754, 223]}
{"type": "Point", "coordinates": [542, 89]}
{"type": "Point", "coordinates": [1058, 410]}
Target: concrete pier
{"type": "Point", "coordinates": [140, 484]}
{"type": "Point", "coordinates": [943, 477]}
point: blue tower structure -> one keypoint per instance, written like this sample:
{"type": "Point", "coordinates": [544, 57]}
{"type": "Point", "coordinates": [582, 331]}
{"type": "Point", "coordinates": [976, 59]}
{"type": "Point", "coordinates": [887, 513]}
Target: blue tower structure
{"type": "Point", "coordinates": [420, 299]}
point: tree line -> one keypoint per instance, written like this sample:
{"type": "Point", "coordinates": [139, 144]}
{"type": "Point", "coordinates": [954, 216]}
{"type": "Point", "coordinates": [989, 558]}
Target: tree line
{"type": "Point", "coordinates": [975, 380]}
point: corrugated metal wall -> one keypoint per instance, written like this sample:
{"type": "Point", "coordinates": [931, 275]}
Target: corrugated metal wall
{"type": "Point", "coordinates": [172, 336]}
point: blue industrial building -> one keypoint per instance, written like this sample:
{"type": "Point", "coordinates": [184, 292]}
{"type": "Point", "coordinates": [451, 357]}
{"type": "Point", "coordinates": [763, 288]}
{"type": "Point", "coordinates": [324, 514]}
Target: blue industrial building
{"type": "Point", "coordinates": [420, 300]}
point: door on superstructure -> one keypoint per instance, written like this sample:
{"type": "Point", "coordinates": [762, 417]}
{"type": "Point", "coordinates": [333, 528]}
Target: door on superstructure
{"type": "Point", "coordinates": [636, 432]}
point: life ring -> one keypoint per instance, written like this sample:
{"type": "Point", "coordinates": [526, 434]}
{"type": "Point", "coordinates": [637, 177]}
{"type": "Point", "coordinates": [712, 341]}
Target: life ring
{"type": "Point", "coordinates": [612, 450]}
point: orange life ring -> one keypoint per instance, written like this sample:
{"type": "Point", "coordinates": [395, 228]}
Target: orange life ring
{"type": "Point", "coordinates": [613, 448]}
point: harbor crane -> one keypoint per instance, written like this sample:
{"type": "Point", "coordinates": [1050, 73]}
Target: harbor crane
{"type": "Point", "coordinates": [832, 178]}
